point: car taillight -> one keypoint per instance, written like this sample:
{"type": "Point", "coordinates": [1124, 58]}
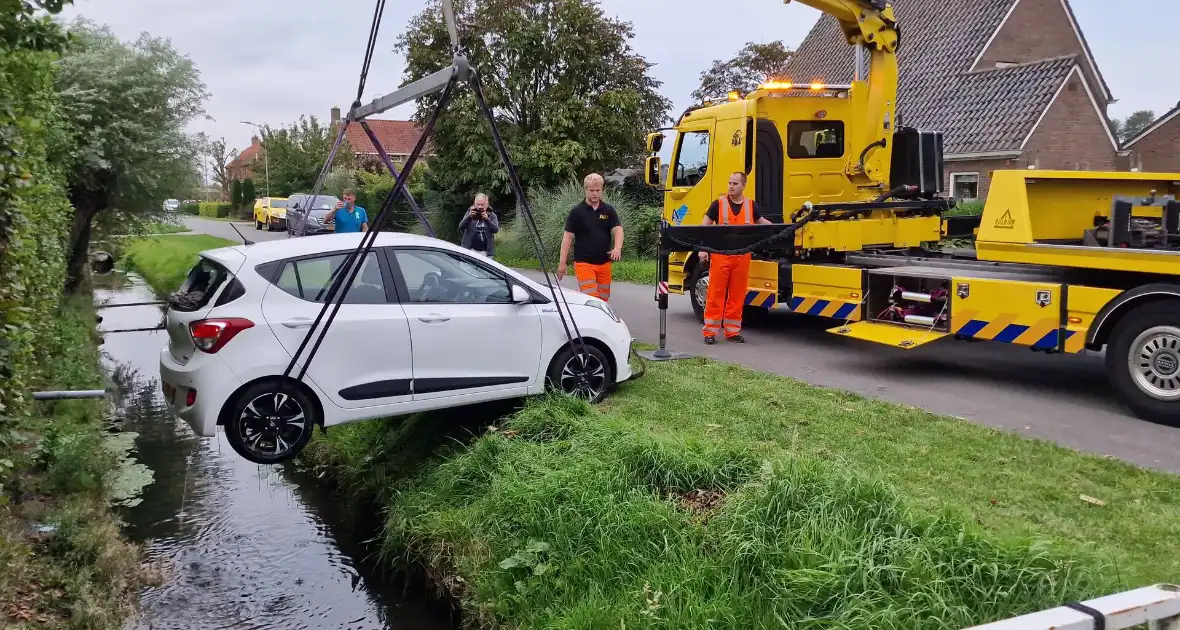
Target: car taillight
{"type": "Point", "coordinates": [211, 335]}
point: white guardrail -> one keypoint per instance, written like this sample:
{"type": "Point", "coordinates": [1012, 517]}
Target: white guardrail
{"type": "Point", "coordinates": [1157, 606]}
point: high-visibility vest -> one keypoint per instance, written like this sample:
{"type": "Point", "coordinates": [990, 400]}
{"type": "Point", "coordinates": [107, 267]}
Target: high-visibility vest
{"type": "Point", "coordinates": [725, 215]}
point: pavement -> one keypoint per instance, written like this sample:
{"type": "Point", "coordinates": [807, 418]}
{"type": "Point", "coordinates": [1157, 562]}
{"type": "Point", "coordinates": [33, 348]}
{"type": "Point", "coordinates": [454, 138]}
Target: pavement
{"type": "Point", "coordinates": [1062, 398]}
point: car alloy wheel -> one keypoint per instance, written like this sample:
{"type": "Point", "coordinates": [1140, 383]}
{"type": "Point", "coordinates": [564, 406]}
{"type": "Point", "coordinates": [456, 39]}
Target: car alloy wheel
{"type": "Point", "coordinates": [583, 375]}
{"type": "Point", "coordinates": [271, 423]}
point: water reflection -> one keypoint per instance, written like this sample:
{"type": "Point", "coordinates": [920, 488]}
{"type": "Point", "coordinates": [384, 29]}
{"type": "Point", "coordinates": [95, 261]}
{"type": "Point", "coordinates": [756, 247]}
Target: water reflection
{"type": "Point", "coordinates": [245, 546]}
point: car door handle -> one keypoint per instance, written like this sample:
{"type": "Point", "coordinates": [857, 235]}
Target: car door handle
{"type": "Point", "coordinates": [298, 322]}
{"type": "Point", "coordinates": [433, 318]}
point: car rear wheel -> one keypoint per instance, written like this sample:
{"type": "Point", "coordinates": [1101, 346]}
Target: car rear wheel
{"type": "Point", "coordinates": [585, 374]}
{"type": "Point", "coordinates": [270, 422]}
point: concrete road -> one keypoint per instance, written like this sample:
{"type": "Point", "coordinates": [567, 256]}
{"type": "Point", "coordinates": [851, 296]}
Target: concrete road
{"type": "Point", "coordinates": [1063, 398]}
{"type": "Point", "coordinates": [223, 229]}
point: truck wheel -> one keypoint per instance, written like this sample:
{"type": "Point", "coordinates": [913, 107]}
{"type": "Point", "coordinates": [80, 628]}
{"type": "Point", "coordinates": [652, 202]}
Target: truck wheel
{"type": "Point", "coordinates": [698, 289]}
{"type": "Point", "coordinates": [1143, 363]}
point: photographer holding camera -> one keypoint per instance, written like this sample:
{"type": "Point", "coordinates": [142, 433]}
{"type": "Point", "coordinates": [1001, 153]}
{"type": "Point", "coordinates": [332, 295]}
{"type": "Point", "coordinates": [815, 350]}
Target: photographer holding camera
{"type": "Point", "coordinates": [478, 226]}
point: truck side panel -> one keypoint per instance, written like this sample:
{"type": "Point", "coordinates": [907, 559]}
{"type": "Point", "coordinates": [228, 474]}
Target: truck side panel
{"type": "Point", "coordinates": [827, 291]}
{"type": "Point", "coordinates": [1084, 305]}
{"type": "Point", "coordinates": [1008, 311]}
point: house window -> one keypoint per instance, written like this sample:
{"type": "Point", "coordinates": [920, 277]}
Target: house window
{"type": "Point", "coordinates": [965, 186]}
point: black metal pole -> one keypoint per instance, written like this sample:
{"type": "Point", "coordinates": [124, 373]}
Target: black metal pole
{"type": "Point", "coordinates": [662, 253]}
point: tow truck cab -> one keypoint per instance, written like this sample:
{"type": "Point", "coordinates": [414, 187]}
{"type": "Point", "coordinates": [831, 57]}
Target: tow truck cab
{"type": "Point", "coordinates": [796, 144]}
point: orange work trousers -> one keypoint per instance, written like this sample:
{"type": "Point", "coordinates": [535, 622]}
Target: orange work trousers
{"type": "Point", "coordinates": [728, 277]}
{"type": "Point", "coordinates": [593, 279]}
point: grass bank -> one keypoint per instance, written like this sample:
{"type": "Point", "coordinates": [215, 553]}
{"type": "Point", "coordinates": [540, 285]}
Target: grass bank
{"type": "Point", "coordinates": [65, 562]}
{"type": "Point", "coordinates": [684, 503]}
{"type": "Point", "coordinates": [164, 261]}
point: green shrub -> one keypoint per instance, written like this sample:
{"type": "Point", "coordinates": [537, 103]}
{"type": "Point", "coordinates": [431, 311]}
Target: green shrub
{"type": "Point", "coordinates": [550, 208]}
{"type": "Point", "coordinates": [214, 209]}
{"type": "Point", "coordinates": [193, 209]}
{"type": "Point", "coordinates": [966, 208]}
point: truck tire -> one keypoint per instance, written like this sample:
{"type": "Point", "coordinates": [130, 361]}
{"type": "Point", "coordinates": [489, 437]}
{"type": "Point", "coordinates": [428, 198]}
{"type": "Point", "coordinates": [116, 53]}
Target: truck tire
{"type": "Point", "coordinates": [698, 288]}
{"type": "Point", "coordinates": [1143, 362]}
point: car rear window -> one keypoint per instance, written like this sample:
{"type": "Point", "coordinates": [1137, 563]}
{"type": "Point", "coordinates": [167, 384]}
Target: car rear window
{"type": "Point", "coordinates": [199, 287]}
{"type": "Point", "coordinates": [310, 279]}
{"type": "Point", "coordinates": [278, 203]}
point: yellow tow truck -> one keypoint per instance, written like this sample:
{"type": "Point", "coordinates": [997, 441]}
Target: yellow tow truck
{"type": "Point", "coordinates": [1063, 261]}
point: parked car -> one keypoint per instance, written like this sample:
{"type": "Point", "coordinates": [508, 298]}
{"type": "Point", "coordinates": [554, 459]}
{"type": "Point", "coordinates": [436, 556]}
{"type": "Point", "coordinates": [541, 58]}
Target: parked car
{"type": "Point", "coordinates": [301, 205]}
{"type": "Point", "coordinates": [426, 325]}
{"type": "Point", "coordinates": [170, 205]}
{"type": "Point", "coordinates": [271, 213]}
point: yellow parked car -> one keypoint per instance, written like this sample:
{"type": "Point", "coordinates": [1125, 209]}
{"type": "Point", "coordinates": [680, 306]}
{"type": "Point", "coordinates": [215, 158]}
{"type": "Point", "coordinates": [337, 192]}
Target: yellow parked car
{"type": "Point", "coordinates": [271, 213]}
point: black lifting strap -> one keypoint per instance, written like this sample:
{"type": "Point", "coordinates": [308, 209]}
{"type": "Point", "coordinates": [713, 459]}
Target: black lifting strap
{"type": "Point", "coordinates": [1099, 617]}
{"type": "Point", "coordinates": [345, 274]}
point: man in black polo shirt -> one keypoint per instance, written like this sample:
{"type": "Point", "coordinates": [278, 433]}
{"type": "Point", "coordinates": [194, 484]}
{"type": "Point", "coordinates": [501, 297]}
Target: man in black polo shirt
{"type": "Point", "coordinates": [590, 226]}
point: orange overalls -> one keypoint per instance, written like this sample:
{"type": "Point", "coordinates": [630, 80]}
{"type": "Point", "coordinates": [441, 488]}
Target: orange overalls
{"type": "Point", "coordinates": [593, 279]}
{"type": "Point", "coordinates": [728, 276]}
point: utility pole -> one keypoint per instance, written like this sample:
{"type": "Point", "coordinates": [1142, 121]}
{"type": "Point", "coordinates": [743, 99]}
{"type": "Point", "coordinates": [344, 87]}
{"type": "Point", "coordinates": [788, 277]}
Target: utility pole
{"type": "Point", "coordinates": [265, 157]}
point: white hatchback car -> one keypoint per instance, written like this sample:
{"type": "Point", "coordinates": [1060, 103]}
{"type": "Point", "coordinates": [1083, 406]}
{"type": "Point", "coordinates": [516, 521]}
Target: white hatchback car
{"type": "Point", "coordinates": [426, 325]}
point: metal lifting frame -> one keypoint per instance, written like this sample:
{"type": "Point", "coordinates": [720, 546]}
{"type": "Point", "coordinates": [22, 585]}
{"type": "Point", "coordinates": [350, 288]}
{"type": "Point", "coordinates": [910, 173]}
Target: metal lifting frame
{"type": "Point", "coordinates": [444, 81]}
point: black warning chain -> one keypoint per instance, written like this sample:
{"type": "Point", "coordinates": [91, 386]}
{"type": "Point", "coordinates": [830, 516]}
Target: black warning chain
{"type": "Point", "coordinates": [343, 277]}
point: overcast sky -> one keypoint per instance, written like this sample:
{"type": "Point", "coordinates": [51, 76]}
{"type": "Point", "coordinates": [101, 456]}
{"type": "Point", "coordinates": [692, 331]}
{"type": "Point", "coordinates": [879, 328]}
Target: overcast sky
{"type": "Point", "coordinates": [268, 61]}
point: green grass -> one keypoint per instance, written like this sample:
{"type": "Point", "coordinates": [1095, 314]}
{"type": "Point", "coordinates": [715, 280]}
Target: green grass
{"type": "Point", "coordinates": [637, 271]}
{"type": "Point", "coordinates": [164, 261]}
{"type": "Point", "coordinates": [833, 510]}
{"type": "Point", "coordinates": [165, 228]}
{"type": "Point", "coordinates": [82, 574]}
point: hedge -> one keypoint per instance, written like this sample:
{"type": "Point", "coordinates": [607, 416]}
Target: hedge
{"type": "Point", "coordinates": [214, 210]}
{"type": "Point", "coordinates": [190, 208]}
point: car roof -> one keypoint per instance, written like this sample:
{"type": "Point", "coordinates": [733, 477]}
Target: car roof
{"type": "Point", "coordinates": [280, 249]}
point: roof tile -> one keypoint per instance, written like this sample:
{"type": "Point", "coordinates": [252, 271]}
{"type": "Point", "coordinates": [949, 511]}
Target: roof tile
{"type": "Point", "coordinates": [397, 137]}
{"type": "Point", "coordinates": [989, 110]}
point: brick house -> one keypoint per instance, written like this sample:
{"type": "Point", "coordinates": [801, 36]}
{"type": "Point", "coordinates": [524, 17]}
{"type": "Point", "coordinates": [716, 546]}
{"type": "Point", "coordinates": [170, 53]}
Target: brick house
{"type": "Point", "coordinates": [242, 166]}
{"type": "Point", "coordinates": [1011, 84]}
{"type": "Point", "coordinates": [397, 137]}
{"type": "Point", "coordinates": [1156, 149]}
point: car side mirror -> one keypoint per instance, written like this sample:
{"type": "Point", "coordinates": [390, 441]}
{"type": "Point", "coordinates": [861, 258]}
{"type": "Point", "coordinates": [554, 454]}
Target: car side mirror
{"type": "Point", "coordinates": [520, 295]}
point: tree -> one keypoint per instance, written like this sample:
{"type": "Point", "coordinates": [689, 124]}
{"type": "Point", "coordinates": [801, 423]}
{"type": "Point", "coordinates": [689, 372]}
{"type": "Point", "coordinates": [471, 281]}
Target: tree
{"type": "Point", "coordinates": [297, 154]}
{"type": "Point", "coordinates": [220, 157]}
{"type": "Point", "coordinates": [248, 194]}
{"type": "Point", "coordinates": [570, 95]}
{"type": "Point", "coordinates": [125, 107]}
{"type": "Point", "coordinates": [235, 199]}
{"type": "Point", "coordinates": [752, 65]}
{"type": "Point", "coordinates": [1126, 129]}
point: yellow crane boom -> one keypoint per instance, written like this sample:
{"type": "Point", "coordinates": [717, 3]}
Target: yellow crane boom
{"type": "Point", "coordinates": [869, 24]}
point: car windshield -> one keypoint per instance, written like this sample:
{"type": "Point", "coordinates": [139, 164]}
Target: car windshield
{"type": "Point", "coordinates": [324, 202]}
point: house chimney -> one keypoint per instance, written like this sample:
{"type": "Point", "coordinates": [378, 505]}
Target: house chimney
{"type": "Point", "coordinates": [254, 140]}
{"type": "Point", "coordinates": [335, 116]}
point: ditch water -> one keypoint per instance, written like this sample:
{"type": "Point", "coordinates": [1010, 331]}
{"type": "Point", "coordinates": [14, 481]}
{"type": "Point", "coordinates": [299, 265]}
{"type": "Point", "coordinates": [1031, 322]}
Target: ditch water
{"type": "Point", "coordinates": [242, 546]}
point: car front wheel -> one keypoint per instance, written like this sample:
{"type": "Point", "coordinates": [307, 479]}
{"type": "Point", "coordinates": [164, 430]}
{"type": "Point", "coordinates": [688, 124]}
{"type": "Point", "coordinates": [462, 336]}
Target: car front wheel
{"type": "Point", "coordinates": [581, 370]}
{"type": "Point", "coordinates": [270, 422]}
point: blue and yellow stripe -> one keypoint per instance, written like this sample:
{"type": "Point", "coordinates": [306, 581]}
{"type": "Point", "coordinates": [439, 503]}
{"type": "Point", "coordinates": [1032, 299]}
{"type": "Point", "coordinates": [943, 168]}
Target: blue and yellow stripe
{"type": "Point", "coordinates": [761, 299]}
{"type": "Point", "coordinates": [820, 307]}
{"type": "Point", "coordinates": [1041, 334]}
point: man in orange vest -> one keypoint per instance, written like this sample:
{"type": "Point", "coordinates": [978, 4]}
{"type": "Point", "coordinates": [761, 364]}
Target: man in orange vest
{"type": "Point", "coordinates": [728, 274]}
